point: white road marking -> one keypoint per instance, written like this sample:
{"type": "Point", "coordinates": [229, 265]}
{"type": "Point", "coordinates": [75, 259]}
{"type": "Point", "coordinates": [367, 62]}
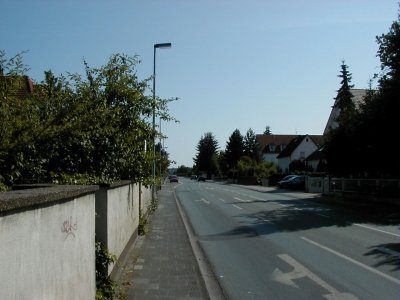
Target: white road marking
{"type": "Point", "coordinates": [267, 221]}
{"type": "Point", "coordinates": [238, 207]}
{"type": "Point", "coordinates": [241, 200]}
{"type": "Point", "coordinates": [368, 268]}
{"type": "Point", "coordinates": [257, 198]}
{"type": "Point", "coordinates": [203, 200]}
{"type": "Point", "coordinates": [299, 271]}
{"type": "Point", "coordinates": [376, 229]}
{"type": "Point", "coordinates": [222, 200]}
{"type": "Point", "coordinates": [321, 215]}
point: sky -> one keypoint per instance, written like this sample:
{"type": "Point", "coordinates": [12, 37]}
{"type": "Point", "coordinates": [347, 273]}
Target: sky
{"type": "Point", "coordinates": [232, 64]}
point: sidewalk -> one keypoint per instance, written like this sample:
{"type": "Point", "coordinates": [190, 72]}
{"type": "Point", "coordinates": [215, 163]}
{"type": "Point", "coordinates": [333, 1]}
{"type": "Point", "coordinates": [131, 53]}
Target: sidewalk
{"type": "Point", "coordinates": [162, 264]}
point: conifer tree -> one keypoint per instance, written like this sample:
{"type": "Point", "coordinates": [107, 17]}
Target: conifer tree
{"type": "Point", "coordinates": [344, 97]}
{"type": "Point", "coordinates": [234, 148]}
{"type": "Point", "coordinates": [206, 152]}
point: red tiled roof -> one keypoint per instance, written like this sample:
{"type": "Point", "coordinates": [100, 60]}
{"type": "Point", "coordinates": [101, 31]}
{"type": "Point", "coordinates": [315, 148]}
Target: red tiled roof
{"type": "Point", "coordinates": [22, 85]}
{"type": "Point", "coordinates": [275, 139]}
{"type": "Point", "coordinates": [283, 139]}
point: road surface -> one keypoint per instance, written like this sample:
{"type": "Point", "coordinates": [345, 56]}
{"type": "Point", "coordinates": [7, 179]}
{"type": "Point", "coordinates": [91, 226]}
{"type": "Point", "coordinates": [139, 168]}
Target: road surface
{"type": "Point", "coordinates": [279, 245]}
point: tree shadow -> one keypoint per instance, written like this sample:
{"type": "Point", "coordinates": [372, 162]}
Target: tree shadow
{"type": "Point", "coordinates": [386, 254]}
{"type": "Point", "coordinates": [296, 215]}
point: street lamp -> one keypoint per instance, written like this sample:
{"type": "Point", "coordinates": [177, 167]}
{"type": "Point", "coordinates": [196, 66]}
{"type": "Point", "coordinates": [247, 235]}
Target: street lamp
{"type": "Point", "coordinates": [162, 46]}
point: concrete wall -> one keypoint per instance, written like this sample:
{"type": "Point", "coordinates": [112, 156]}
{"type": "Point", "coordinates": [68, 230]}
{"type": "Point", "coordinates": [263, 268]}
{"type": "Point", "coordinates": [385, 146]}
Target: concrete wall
{"type": "Point", "coordinates": [146, 197]}
{"type": "Point", "coordinates": [117, 214]}
{"type": "Point", "coordinates": [47, 236]}
{"type": "Point", "coordinates": [47, 248]}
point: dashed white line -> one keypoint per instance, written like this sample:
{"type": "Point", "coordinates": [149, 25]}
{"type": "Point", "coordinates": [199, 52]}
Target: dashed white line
{"type": "Point", "coordinates": [257, 198]}
{"type": "Point", "coordinates": [241, 200]}
{"type": "Point", "coordinates": [321, 215]}
{"type": "Point", "coordinates": [238, 207]}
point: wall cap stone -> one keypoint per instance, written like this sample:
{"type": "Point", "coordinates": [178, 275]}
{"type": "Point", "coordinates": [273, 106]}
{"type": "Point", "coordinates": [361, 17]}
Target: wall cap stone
{"type": "Point", "coordinates": [41, 196]}
{"type": "Point", "coordinates": [116, 184]}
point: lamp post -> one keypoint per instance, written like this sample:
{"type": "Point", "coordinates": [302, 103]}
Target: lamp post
{"type": "Point", "coordinates": [162, 46]}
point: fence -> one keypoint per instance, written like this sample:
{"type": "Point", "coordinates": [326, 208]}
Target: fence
{"type": "Point", "coordinates": [378, 189]}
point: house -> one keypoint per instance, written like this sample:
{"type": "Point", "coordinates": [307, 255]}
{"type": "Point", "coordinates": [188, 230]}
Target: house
{"type": "Point", "coordinates": [299, 148]}
{"type": "Point", "coordinates": [316, 160]}
{"type": "Point", "coordinates": [19, 87]}
{"type": "Point", "coordinates": [318, 157]}
{"type": "Point", "coordinates": [272, 145]}
{"type": "Point", "coordinates": [358, 98]}
{"type": "Point", "coordinates": [282, 149]}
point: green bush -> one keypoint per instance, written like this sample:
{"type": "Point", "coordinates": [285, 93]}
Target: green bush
{"type": "Point", "coordinates": [106, 288]}
{"type": "Point", "coordinates": [89, 128]}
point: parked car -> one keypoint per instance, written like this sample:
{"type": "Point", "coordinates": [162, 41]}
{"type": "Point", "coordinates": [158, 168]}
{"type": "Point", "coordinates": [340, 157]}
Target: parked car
{"type": "Point", "coordinates": [201, 178]}
{"type": "Point", "coordinates": [193, 177]}
{"type": "Point", "coordinates": [173, 178]}
{"type": "Point", "coordinates": [286, 177]}
{"type": "Point", "coordinates": [295, 182]}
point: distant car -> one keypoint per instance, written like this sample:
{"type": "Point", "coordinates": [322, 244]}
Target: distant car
{"type": "Point", "coordinates": [201, 178]}
{"type": "Point", "coordinates": [287, 177]}
{"type": "Point", "coordinates": [173, 178]}
{"type": "Point", "coordinates": [193, 177]}
{"type": "Point", "coordinates": [296, 182]}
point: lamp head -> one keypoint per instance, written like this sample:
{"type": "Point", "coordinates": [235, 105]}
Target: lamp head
{"type": "Point", "coordinates": [162, 45]}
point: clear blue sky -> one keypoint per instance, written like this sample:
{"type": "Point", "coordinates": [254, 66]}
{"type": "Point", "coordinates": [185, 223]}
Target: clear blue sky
{"type": "Point", "coordinates": [233, 64]}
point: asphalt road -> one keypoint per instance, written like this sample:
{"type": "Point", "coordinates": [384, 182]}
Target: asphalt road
{"type": "Point", "coordinates": [279, 245]}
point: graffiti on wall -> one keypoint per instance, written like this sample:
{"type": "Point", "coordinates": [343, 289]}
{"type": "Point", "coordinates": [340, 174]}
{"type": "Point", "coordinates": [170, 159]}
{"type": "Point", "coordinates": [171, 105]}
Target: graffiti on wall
{"type": "Point", "coordinates": [69, 227]}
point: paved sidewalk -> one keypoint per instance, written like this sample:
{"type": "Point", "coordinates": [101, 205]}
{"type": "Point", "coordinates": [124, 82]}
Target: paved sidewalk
{"type": "Point", "coordinates": [162, 264]}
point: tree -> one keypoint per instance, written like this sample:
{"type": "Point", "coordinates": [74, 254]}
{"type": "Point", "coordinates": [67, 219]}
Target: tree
{"type": "Point", "coordinates": [340, 147]}
{"type": "Point", "coordinates": [94, 128]}
{"type": "Point", "coordinates": [357, 147]}
{"type": "Point", "coordinates": [380, 112]}
{"type": "Point", "coordinates": [267, 130]}
{"type": "Point", "coordinates": [344, 97]}
{"type": "Point", "coordinates": [183, 171]}
{"type": "Point", "coordinates": [250, 145]}
{"type": "Point", "coordinates": [206, 151]}
{"type": "Point", "coordinates": [234, 149]}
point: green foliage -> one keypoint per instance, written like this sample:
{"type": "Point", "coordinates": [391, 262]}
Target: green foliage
{"type": "Point", "coordinates": [358, 147]}
{"type": "Point", "coordinates": [3, 187]}
{"type": "Point", "coordinates": [344, 98]}
{"type": "Point", "coordinates": [143, 228]}
{"type": "Point", "coordinates": [206, 149]}
{"type": "Point", "coordinates": [106, 287]}
{"type": "Point", "coordinates": [250, 145]}
{"type": "Point", "coordinates": [77, 128]}
{"type": "Point", "coordinates": [234, 149]}
{"type": "Point", "coordinates": [248, 167]}
{"type": "Point", "coordinates": [267, 130]}
{"type": "Point", "coordinates": [183, 171]}
{"type": "Point", "coordinates": [298, 166]}
{"type": "Point", "coordinates": [264, 170]}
